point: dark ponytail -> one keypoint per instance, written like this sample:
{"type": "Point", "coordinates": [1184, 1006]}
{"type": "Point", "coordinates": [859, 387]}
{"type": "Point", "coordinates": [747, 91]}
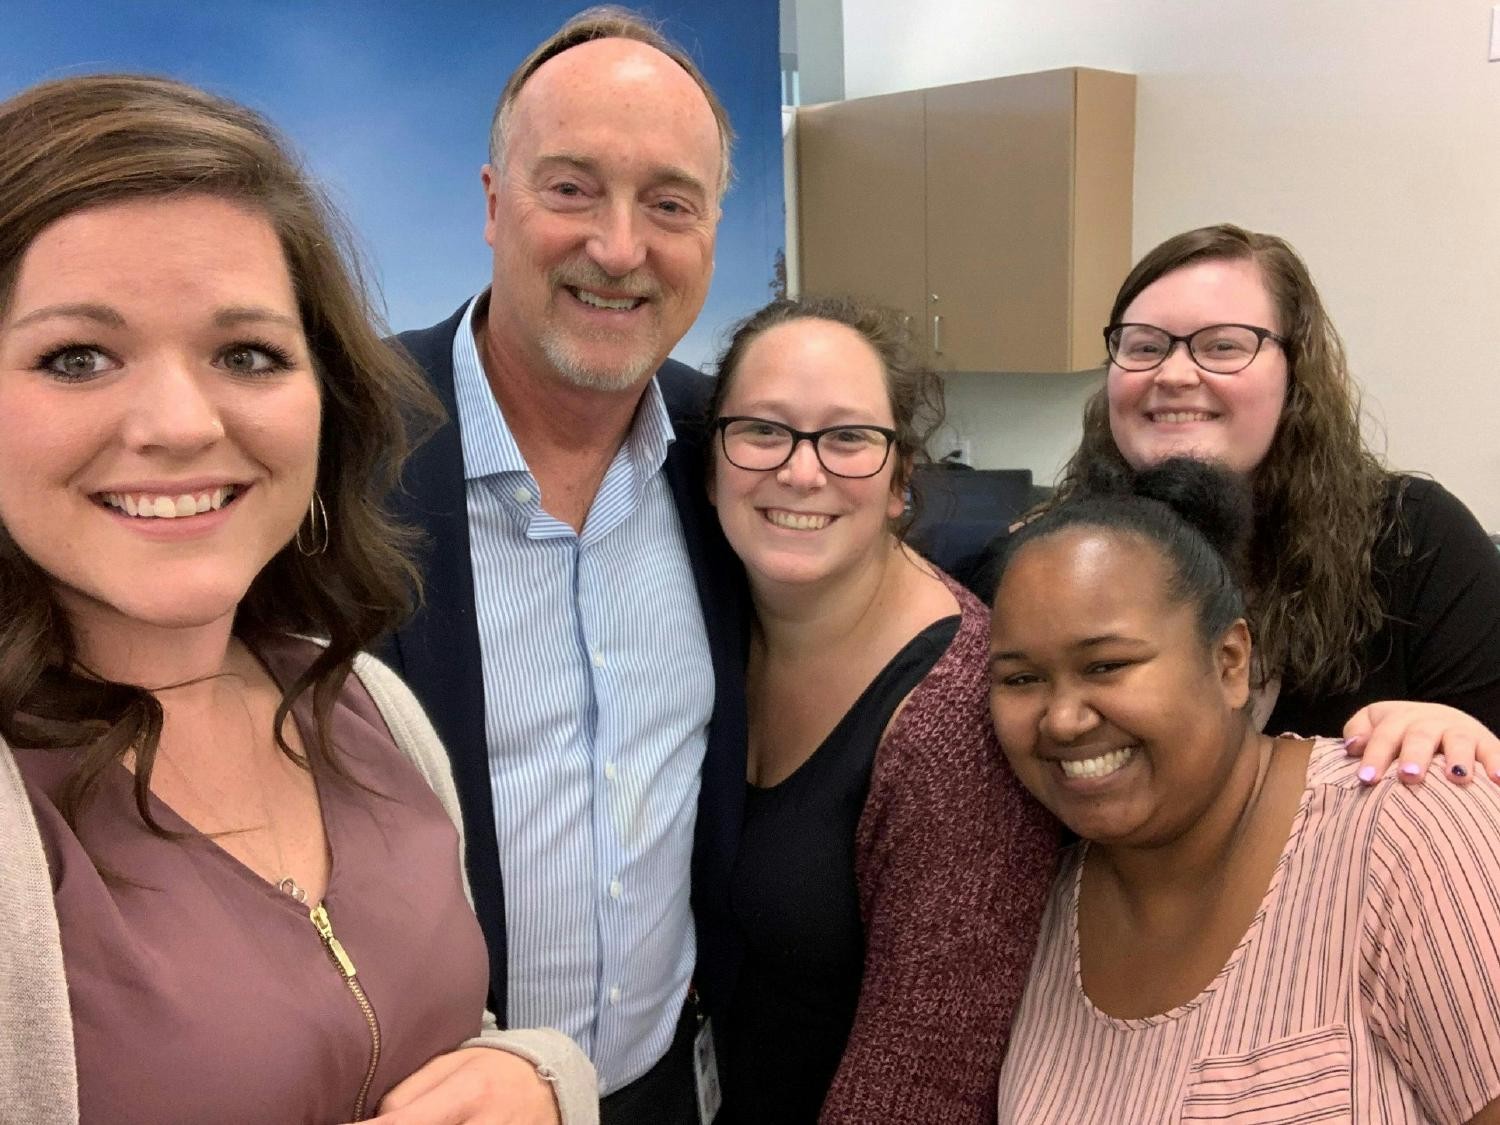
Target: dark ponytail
{"type": "Point", "coordinates": [1197, 514]}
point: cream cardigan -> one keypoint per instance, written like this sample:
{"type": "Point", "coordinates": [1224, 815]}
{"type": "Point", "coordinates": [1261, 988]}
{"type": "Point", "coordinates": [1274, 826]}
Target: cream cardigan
{"type": "Point", "coordinates": [38, 1077]}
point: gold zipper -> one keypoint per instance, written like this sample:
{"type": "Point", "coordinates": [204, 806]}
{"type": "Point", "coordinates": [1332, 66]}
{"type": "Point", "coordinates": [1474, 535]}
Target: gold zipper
{"type": "Point", "coordinates": [336, 950]}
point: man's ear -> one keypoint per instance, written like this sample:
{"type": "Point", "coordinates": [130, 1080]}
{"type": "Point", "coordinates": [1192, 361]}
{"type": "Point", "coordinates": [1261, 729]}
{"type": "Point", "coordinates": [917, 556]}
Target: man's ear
{"type": "Point", "coordinates": [1232, 662]}
{"type": "Point", "coordinates": [490, 178]}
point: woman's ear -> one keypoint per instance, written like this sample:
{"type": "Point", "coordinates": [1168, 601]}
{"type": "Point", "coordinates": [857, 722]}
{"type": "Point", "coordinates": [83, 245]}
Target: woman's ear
{"type": "Point", "coordinates": [895, 508]}
{"type": "Point", "coordinates": [1232, 662]}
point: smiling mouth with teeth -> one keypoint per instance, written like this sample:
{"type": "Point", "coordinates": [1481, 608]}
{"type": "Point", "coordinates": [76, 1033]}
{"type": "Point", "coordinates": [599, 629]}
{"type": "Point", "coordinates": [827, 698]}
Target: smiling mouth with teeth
{"type": "Point", "coordinates": [613, 304]}
{"type": "Point", "coordinates": [1178, 416]}
{"type": "Point", "coordinates": [1102, 766]}
{"type": "Point", "coordinates": [149, 506]}
{"type": "Point", "coordinates": [797, 521]}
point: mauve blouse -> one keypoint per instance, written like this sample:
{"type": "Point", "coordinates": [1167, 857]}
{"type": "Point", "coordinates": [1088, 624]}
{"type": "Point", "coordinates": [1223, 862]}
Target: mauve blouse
{"type": "Point", "coordinates": [200, 992]}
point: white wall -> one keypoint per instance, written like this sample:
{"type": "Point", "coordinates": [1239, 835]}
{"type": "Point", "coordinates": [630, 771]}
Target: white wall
{"type": "Point", "coordinates": [1367, 134]}
{"type": "Point", "coordinates": [819, 27]}
{"type": "Point", "coordinates": [1017, 421]}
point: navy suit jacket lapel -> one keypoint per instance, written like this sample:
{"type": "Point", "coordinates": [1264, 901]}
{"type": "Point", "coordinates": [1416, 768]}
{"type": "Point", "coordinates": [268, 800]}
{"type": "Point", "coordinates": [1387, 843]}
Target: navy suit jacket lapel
{"type": "Point", "coordinates": [724, 595]}
{"type": "Point", "coordinates": [438, 649]}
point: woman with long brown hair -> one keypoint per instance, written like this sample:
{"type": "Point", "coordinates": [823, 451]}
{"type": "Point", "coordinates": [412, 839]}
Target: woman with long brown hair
{"type": "Point", "coordinates": [889, 875]}
{"type": "Point", "coordinates": [1364, 584]}
{"type": "Point", "coordinates": [232, 883]}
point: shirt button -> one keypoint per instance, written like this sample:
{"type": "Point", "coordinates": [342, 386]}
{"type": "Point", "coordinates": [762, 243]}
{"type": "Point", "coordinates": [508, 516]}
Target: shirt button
{"type": "Point", "coordinates": [610, 771]}
{"type": "Point", "coordinates": [522, 494]}
{"type": "Point", "coordinates": [615, 889]}
{"type": "Point", "coordinates": [598, 658]}
{"type": "Point", "coordinates": [614, 994]}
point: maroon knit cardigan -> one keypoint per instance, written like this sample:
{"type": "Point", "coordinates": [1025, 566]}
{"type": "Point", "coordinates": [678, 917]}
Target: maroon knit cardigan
{"type": "Point", "coordinates": [953, 863]}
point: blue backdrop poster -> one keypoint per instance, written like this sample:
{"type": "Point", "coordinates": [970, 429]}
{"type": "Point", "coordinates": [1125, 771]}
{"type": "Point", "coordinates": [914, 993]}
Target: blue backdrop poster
{"type": "Point", "coordinates": [389, 103]}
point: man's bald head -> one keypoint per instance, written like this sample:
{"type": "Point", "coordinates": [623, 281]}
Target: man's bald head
{"type": "Point", "coordinates": [606, 22]}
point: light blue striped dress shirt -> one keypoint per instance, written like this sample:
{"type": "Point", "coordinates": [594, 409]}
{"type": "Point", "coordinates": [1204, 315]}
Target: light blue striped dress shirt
{"type": "Point", "coordinates": [598, 687]}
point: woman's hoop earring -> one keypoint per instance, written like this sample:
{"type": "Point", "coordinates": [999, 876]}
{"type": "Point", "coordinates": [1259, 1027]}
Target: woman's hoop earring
{"type": "Point", "coordinates": [316, 541]}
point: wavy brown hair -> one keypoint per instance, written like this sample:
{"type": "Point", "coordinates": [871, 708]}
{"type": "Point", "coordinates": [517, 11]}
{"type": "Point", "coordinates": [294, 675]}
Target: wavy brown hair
{"type": "Point", "coordinates": [1319, 494]}
{"type": "Point", "coordinates": [914, 390]}
{"type": "Point", "coordinates": [94, 140]}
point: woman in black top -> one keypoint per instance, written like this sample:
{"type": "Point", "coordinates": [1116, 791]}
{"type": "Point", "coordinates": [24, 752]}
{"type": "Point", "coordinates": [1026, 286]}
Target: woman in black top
{"type": "Point", "coordinates": [1367, 585]}
{"type": "Point", "coordinates": [889, 878]}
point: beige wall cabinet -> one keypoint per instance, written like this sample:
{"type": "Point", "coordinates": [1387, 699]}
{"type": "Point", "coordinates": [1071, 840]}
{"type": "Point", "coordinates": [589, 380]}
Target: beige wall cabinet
{"type": "Point", "coordinates": [996, 215]}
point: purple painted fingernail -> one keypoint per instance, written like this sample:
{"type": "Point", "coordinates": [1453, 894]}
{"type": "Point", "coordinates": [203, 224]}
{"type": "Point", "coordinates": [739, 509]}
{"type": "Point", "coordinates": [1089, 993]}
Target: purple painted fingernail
{"type": "Point", "coordinates": [1410, 769]}
{"type": "Point", "coordinates": [1367, 774]}
{"type": "Point", "coordinates": [1458, 770]}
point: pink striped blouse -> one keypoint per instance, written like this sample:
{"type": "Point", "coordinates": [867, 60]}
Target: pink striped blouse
{"type": "Point", "coordinates": [1367, 987]}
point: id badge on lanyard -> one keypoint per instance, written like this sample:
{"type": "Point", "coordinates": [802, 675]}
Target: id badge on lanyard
{"type": "Point", "coordinates": [705, 1066]}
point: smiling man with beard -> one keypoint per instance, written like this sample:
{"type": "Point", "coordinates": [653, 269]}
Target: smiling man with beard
{"type": "Point", "coordinates": [580, 609]}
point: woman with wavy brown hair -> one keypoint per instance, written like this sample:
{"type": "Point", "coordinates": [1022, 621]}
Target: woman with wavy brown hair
{"type": "Point", "coordinates": [232, 883]}
{"type": "Point", "coordinates": [1365, 585]}
{"type": "Point", "coordinates": [890, 872]}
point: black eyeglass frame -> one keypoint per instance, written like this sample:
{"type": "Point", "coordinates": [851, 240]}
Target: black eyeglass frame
{"type": "Point", "coordinates": [798, 437]}
{"type": "Point", "coordinates": [1261, 336]}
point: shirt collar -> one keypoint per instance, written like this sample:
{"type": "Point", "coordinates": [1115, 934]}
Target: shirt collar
{"type": "Point", "coordinates": [489, 447]}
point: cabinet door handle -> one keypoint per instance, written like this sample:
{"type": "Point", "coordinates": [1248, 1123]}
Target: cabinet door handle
{"type": "Point", "coordinates": [937, 333]}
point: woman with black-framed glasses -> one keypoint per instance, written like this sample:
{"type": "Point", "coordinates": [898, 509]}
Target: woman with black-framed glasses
{"type": "Point", "coordinates": [890, 872]}
{"type": "Point", "coordinates": [1373, 594]}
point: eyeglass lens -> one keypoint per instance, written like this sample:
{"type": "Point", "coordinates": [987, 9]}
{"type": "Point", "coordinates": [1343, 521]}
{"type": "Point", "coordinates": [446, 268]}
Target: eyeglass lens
{"type": "Point", "coordinates": [1222, 348]}
{"type": "Point", "coordinates": [849, 451]}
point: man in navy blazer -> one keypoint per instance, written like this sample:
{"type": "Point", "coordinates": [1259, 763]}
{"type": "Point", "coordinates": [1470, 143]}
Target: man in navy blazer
{"type": "Point", "coordinates": [608, 161]}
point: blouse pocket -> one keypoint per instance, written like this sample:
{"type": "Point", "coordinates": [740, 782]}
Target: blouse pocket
{"type": "Point", "coordinates": [1304, 1078]}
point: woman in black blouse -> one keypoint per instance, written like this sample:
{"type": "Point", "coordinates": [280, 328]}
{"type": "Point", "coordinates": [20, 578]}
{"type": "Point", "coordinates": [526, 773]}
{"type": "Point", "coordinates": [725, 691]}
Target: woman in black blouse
{"type": "Point", "coordinates": [1367, 585]}
{"type": "Point", "coordinates": [890, 872]}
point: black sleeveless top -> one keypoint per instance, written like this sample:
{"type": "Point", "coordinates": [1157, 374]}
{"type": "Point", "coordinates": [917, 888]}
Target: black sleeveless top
{"type": "Point", "coordinates": [797, 906]}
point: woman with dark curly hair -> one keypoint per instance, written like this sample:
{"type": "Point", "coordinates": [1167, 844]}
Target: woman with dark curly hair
{"type": "Point", "coordinates": [232, 887]}
{"type": "Point", "coordinates": [889, 878]}
{"type": "Point", "coordinates": [1245, 932]}
{"type": "Point", "coordinates": [1365, 585]}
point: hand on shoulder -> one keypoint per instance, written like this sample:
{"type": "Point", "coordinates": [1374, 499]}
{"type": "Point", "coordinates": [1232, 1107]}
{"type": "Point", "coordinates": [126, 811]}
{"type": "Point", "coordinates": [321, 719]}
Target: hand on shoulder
{"type": "Point", "coordinates": [1412, 732]}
